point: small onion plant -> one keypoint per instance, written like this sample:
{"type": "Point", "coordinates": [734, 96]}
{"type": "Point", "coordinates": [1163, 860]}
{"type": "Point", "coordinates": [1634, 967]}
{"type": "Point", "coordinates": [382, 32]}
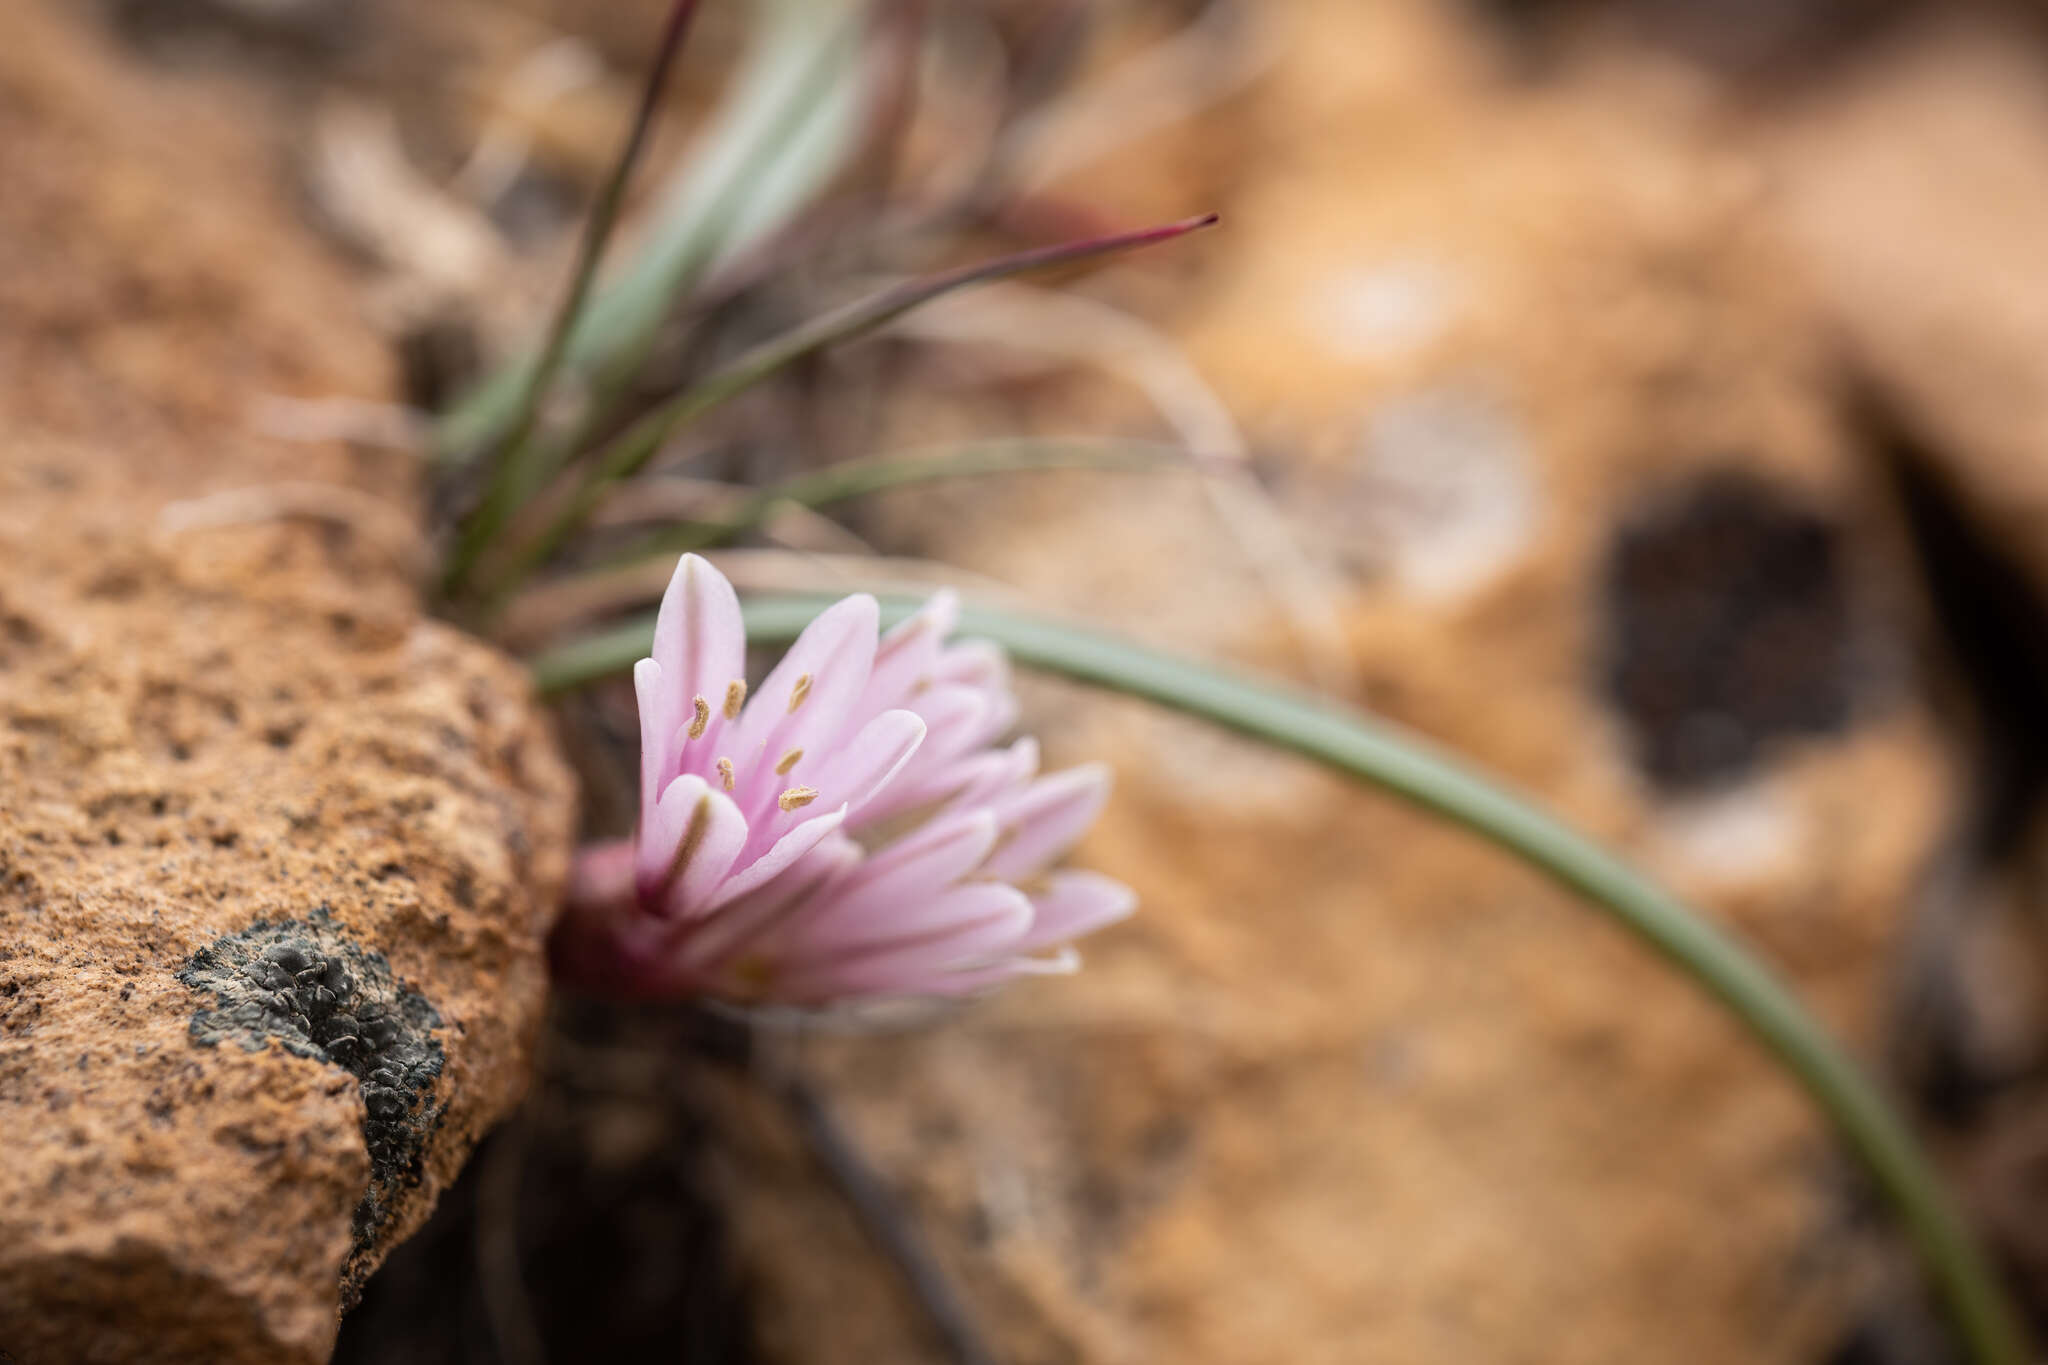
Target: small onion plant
{"type": "Point", "coordinates": [859, 824]}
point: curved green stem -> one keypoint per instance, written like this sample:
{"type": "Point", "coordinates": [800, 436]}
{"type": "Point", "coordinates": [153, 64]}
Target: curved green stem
{"type": "Point", "coordinates": [1410, 767]}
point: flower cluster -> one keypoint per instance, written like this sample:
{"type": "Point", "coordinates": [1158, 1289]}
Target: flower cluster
{"type": "Point", "coordinates": [851, 830]}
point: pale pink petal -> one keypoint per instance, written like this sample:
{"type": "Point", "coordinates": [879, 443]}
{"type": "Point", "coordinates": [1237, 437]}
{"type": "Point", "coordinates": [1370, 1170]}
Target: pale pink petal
{"type": "Point", "coordinates": [909, 655]}
{"type": "Point", "coordinates": [957, 717]}
{"type": "Point", "coordinates": [661, 829]}
{"type": "Point", "coordinates": [974, 663]}
{"type": "Point", "coordinates": [745, 923]}
{"type": "Point", "coordinates": [805, 701]}
{"type": "Point", "coordinates": [1043, 821]}
{"type": "Point", "coordinates": [718, 845]}
{"type": "Point", "coordinates": [887, 898]}
{"type": "Point", "coordinates": [1075, 903]}
{"type": "Point", "coordinates": [966, 836]}
{"type": "Point", "coordinates": [969, 923]}
{"type": "Point", "coordinates": [869, 760]}
{"type": "Point", "coordinates": [602, 874]}
{"type": "Point", "coordinates": [972, 979]}
{"type": "Point", "coordinates": [675, 878]}
{"type": "Point", "coordinates": [786, 850]}
{"type": "Point", "coordinates": [657, 730]}
{"type": "Point", "coordinates": [990, 776]}
{"type": "Point", "coordinates": [954, 718]}
{"type": "Point", "coordinates": [700, 640]}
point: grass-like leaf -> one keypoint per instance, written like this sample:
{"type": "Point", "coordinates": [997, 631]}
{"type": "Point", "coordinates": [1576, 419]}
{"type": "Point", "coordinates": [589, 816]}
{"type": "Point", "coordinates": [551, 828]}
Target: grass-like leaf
{"type": "Point", "coordinates": [782, 135]}
{"type": "Point", "coordinates": [625, 454]}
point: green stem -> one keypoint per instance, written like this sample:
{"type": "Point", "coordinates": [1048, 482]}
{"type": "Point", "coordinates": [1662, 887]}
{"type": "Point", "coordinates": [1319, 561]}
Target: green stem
{"type": "Point", "coordinates": [522, 467]}
{"type": "Point", "coordinates": [1384, 756]}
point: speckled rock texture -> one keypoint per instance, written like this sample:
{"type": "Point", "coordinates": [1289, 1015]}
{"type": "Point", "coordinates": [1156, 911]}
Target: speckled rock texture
{"type": "Point", "coordinates": [275, 850]}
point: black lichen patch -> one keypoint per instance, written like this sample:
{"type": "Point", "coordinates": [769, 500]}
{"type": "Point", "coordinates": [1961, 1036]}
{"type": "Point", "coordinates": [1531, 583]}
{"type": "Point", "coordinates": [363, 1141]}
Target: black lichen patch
{"type": "Point", "coordinates": [1728, 628]}
{"type": "Point", "coordinates": [319, 994]}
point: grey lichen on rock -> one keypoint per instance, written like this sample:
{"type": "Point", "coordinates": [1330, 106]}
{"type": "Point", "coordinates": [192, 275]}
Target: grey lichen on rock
{"type": "Point", "coordinates": [319, 994]}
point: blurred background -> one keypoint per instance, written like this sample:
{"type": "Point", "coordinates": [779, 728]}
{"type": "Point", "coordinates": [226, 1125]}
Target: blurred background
{"type": "Point", "coordinates": [1648, 398]}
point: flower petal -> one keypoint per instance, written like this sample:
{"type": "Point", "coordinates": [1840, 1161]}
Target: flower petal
{"type": "Point", "coordinates": [657, 730]}
{"type": "Point", "coordinates": [975, 663]}
{"type": "Point", "coordinates": [887, 898]}
{"type": "Point", "coordinates": [909, 655]}
{"type": "Point", "coordinates": [744, 924]}
{"type": "Point", "coordinates": [688, 841]}
{"type": "Point", "coordinates": [870, 760]}
{"type": "Point", "coordinates": [700, 640]}
{"type": "Point", "coordinates": [602, 875]}
{"type": "Point", "coordinates": [1073, 904]}
{"type": "Point", "coordinates": [785, 851]}
{"type": "Point", "coordinates": [965, 925]}
{"type": "Point", "coordinates": [1045, 819]}
{"type": "Point", "coordinates": [956, 725]}
{"type": "Point", "coordinates": [991, 776]}
{"type": "Point", "coordinates": [805, 701]}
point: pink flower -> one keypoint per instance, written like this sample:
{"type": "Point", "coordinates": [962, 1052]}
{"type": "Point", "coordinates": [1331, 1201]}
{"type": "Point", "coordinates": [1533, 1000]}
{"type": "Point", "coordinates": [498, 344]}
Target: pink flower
{"type": "Point", "coordinates": [848, 831]}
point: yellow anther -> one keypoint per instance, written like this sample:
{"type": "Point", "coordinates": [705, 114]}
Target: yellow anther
{"type": "Point", "coordinates": [799, 692]}
{"type": "Point", "coordinates": [725, 773]}
{"type": "Point", "coordinates": [735, 694]}
{"type": "Point", "coordinates": [797, 796]}
{"type": "Point", "coordinates": [701, 719]}
{"type": "Point", "coordinates": [787, 761]}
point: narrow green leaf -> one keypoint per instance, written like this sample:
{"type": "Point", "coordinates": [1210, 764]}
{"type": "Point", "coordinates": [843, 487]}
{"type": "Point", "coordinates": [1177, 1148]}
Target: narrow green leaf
{"type": "Point", "coordinates": [632, 448]}
{"type": "Point", "coordinates": [782, 134]}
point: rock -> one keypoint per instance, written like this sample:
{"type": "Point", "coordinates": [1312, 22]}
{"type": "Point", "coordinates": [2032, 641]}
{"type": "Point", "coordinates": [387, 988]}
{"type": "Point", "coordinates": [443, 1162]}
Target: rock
{"type": "Point", "coordinates": [275, 850]}
{"type": "Point", "coordinates": [1533, 388]}
{"type": "Point", "coordinates": [1910, 181]}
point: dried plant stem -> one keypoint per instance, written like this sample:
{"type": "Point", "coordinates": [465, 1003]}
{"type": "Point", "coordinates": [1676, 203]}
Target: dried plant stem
{"type": "Point", "coordinates": [1384, 756]}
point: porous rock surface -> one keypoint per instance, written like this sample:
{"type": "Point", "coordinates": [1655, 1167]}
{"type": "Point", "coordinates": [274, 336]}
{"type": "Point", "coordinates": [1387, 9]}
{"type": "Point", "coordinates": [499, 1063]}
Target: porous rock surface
{"type": "Point", "coordinates": [275, 850]}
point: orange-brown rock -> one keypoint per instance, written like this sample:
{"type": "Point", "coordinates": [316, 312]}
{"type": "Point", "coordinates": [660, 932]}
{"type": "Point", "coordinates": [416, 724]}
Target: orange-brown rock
{"type": "Point", "coordinates": [275, 850]}
{"type": "Point", "coordinates": [1909, 178]}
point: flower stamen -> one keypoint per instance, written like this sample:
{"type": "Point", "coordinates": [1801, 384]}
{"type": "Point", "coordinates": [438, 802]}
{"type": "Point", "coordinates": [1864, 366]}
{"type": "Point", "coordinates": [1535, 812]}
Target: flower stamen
{"type": "Point", "coordinates": [796, 797]}
{"type": "Point", "coordinates": [798, 693]}
{"type": "Point", "coordinates": [726, 774]}
{"type": "Point", "coordinates": [735, 696]}
{"type": "Point", "coordinates": [702, 718]}
{"type": "Point", "coordinates": [788, 761]}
